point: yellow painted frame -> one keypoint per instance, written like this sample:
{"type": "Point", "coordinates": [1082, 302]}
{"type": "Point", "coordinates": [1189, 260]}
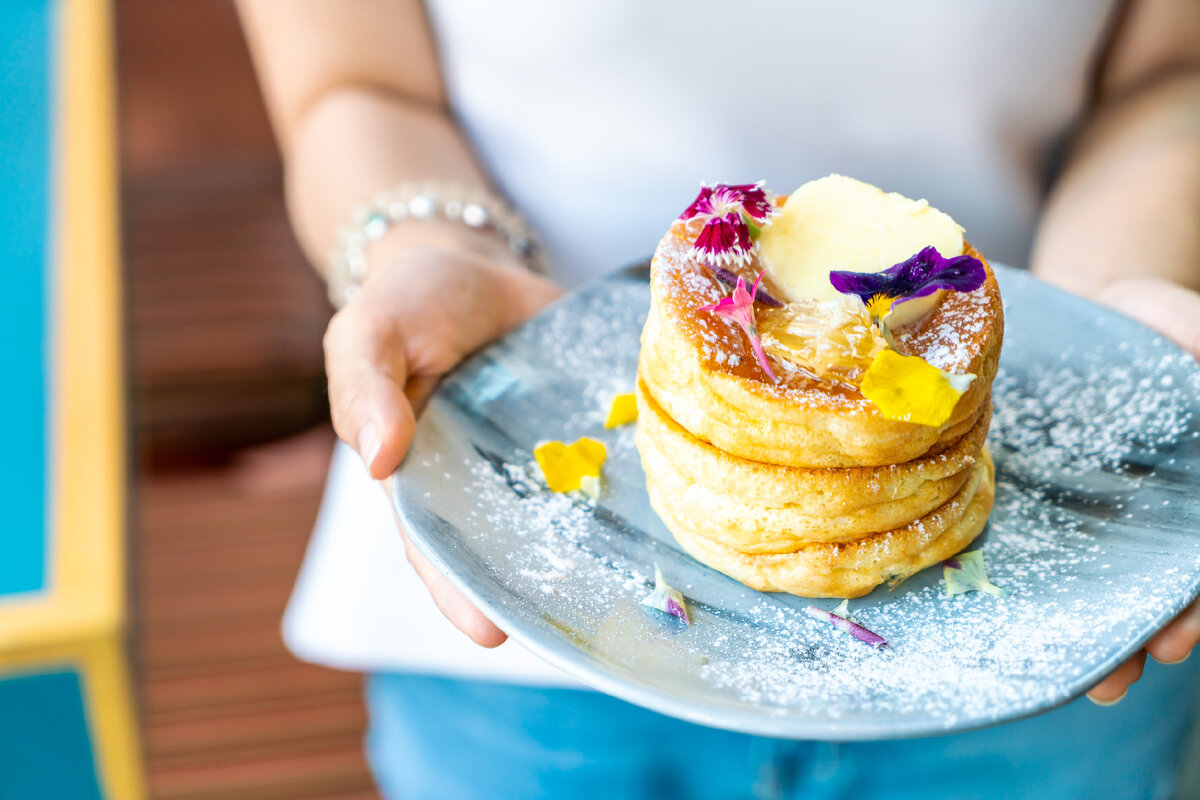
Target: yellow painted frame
{"type": "Point", "coordinates": [85, 595]}
{"type": "Point", "coordinates": [79, 620]}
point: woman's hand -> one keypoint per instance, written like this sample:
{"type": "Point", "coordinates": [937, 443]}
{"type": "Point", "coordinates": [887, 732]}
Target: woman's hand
{"type": "Point", "coordinates": [1174, 312]}
{"type": "Point", "coordinates": [434, 294]}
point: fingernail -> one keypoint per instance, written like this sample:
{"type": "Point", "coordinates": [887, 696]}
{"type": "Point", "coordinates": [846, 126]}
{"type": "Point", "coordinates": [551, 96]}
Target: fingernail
{"type": "Point", "coordinates": [1113, 702]}
{"type": "Point", "coordinates": [369, 443]}
{"type": "Point", "coordinates": [1186, 656]}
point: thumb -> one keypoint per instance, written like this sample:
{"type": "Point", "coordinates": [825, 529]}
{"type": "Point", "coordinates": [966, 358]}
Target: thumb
{"type": "Point", "coordinates": [369, 407]}
{"type": "Point", "coordinates": [374, 415]}
{"type": "Point", "coordinates": [1166, 307]}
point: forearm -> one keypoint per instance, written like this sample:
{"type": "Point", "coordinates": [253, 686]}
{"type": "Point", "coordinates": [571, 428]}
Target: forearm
{"type": "Point", "coordinates": [1128, 203]}
{"type": "Point", "coordinates": [354, 142]}
{"type": "Point", "coordinates": [355, 96]}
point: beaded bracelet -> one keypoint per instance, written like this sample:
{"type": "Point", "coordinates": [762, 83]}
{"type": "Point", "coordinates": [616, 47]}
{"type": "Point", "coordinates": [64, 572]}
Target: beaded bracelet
{"type": "Point", "coordinates": [425, 200]}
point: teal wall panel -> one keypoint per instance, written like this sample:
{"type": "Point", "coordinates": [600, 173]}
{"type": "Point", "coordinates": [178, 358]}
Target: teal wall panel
{"type": "Point", "coordinates": [26, 84]}
{"type": "Point", "coordinates": [45, 748]}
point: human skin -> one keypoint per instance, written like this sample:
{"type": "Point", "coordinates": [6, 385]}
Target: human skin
{"type": "Point", "coordinates": [358, 105]}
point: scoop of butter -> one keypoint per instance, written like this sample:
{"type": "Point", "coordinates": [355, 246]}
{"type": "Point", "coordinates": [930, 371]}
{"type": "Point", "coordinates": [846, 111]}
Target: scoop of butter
{"type": "Point", "coordinates": [837, 222]}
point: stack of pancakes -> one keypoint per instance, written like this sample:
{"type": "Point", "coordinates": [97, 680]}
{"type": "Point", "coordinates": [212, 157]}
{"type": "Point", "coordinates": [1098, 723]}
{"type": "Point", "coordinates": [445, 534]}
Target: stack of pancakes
{"type": "Point", "coordinates": [802, 486]}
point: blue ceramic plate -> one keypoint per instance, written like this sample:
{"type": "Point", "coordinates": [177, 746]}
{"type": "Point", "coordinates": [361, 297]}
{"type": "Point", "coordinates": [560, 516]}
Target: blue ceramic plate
{"type": "Point", "coordinates": [1096, 437]}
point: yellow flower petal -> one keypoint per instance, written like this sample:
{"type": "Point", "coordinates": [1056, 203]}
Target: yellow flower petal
{"type": "Point", "coordinates": [565, 465]}
{"type": "Point", "coordinates": [910, 389]}
{"type": "Point", "coordinates": [622, 411]}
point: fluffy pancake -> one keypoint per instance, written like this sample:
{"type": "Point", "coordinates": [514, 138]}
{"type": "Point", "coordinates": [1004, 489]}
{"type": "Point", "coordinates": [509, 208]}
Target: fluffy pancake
{"type": "Point", "coordinates": [851, 569]}
{"type": "Point", "coordinates": [800, 484]}
{"type": "Point", "coordinates": [699, 368]}
{"type": "Point", "coordinates": [763, 508]}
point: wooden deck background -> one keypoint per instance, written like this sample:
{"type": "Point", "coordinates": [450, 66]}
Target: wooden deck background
{"type": "Point", "coordinates": [229, 418]}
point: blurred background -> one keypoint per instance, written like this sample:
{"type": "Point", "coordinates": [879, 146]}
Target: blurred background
{"type": "Point", "coordinates": [140, 647]}
{"type": "Point", "coordinates": [230, 421]}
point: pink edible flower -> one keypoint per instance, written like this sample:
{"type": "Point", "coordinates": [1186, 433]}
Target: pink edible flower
{"type": "Point", "coordinates": [739, 307]}
{"type": "Point", "coordinates": [729, 211]}
{"type": "Point", "coordinates": [847, 626]}
{"type": "Point", "coordinates": [666, 599]}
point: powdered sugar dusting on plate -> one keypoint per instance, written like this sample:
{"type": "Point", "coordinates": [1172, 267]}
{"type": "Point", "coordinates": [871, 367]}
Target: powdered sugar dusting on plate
{"type": "Point", "coordinates": [1097, 447]}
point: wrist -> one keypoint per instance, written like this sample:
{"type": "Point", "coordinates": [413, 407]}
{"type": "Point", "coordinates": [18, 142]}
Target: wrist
{"type": "Point", "coordinates": [430, 214]}
{"type": "Point", "coordinates": [438, 236]}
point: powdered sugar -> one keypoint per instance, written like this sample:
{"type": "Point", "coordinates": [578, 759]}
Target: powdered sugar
{"type": "Point", "coordinates": [1098, 464]}
{"type": "Point", "coordinates": [955, 333]}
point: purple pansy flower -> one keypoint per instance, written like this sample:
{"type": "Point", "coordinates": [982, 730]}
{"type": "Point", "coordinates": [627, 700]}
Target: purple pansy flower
{"type": "Point", "coordinates": [739, 307]}
{"type": "Point", "coordinates": [921, 275]}
{"type": "Point", "coordinates": [729, 212]}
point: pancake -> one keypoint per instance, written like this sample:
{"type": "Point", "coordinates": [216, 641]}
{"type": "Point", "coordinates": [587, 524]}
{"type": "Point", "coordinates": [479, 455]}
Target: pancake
{"type": "Point", "coordinates": [822, 491]}
{"type": "Point", "coordinates": [852, 569]}
{"type": "Point", "coordinates": [767, 507]}
{"type": "Point", "coordinates": [799, 483]}
{"type": "Point", "coordinates": [756, 507]}
{"type": "Point", "coordinates": [701, 371]}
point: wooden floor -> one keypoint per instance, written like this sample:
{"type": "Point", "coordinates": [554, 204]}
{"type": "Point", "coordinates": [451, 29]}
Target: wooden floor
{"type": "Point", "coordinates": [227, 711]}
{"type": "Point", "coordinates": [230, 427]}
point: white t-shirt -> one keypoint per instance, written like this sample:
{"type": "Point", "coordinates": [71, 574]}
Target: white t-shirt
{"type": "Point", "coordinates": [599, 121]}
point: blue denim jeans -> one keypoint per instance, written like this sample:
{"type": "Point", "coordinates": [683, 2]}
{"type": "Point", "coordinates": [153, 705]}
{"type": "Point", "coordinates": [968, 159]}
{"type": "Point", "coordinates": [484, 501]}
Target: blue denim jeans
{"type": "Point", "coordinates": [460, 740]}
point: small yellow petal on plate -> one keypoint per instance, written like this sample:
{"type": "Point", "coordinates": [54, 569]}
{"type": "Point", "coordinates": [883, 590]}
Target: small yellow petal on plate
{"type": "Point", "coordinates": [910, 389]}
{"type": "Point", "coordinates": [565, 465]}
{"type": "Point", "coordinates": [622, 411]}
